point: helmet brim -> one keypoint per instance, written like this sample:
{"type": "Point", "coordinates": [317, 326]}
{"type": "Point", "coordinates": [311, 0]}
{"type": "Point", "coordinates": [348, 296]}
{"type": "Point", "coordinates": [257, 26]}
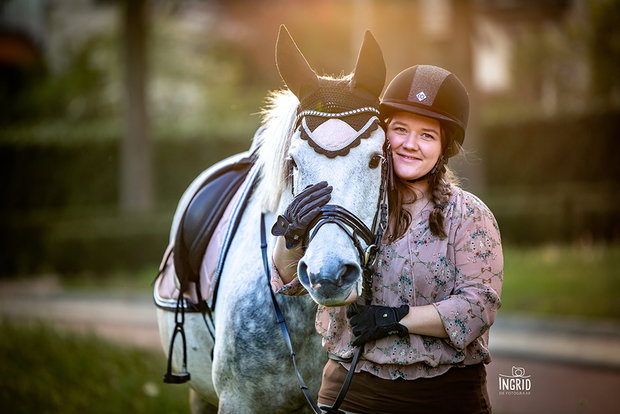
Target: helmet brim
{"type": "Point", "coordinates": [388, 108]}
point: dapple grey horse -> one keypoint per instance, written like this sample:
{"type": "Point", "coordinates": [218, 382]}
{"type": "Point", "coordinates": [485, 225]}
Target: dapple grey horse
{"type": "Point", "coordinates": [251, 370]}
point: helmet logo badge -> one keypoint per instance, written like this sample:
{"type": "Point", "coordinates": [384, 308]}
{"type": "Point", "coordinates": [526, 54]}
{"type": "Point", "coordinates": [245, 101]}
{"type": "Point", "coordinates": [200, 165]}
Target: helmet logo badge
{"type": "Point", "coordinates": [421, 96]}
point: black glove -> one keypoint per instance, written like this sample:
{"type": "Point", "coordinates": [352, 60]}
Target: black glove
{"type": "Point", "coordinates": [304, 208]}
{"type": "Point", "coordinates": [374, 322]}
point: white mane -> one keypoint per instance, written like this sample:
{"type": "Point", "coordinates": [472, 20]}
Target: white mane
{"type": "Point", "coordinates": [274, 141]}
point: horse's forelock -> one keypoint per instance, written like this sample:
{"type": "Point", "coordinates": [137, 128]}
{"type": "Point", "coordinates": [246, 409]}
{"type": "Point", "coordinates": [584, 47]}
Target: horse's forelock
{"type": "Point", "coordinates": [278, 123]}
{"type": "Point", "coordinates": [274, 142]}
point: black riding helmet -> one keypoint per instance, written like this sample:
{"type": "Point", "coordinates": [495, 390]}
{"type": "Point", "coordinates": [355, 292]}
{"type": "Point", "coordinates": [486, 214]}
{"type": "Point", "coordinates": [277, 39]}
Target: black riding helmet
{"type": "Point", "coordinates": [433, 92]}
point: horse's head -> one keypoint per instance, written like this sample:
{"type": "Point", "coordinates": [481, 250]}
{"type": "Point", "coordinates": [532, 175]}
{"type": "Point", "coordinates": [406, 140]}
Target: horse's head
{"type": "Point", "coordinates": [338, 138]}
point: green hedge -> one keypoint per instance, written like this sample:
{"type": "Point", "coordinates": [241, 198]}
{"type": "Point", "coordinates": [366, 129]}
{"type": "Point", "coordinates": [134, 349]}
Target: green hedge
{"type": "Point", "coordinates": [555, 179]}
{"type": "Point", "coordinates": [549, 180]}
{"type": "Point", "coordinates": [551, 151]}
{"type": "Point", "coordinates": [59, 206]}
{"type": "Point", "coordinates": [53, 176]}
{"type": "Point", "coordinates": [556, 213]}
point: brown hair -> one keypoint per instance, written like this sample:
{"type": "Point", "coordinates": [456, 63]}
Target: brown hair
{"type": "Point", "coordinates": [439, 185]}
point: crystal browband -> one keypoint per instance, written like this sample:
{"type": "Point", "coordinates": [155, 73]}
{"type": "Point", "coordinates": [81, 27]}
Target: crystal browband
{"type": "Point", "coordinates": [335, 115]}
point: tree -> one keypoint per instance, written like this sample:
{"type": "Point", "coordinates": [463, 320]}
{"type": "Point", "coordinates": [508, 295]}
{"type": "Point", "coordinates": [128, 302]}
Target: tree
{"type": "Point", "coordinates": [136, 176]}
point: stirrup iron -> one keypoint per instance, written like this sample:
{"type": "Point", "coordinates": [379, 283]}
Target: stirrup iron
{"type": "Point", "coordinates": [183, 376]}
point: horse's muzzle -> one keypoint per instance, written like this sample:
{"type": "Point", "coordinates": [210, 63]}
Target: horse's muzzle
{"type": "Point", "coordinates": [332, 284]}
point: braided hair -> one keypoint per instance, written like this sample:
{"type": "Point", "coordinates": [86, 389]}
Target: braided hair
{"type": "Point", "coordinates": [440, 186]}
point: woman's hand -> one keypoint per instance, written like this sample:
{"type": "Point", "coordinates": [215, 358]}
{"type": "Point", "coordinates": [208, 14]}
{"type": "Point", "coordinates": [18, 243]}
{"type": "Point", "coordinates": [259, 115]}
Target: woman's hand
{"type": "Point", "coordinates": [374, 322]}
{"type": "Point", "coordinates": [304, 208]}
{"type": "Point", "coordinates": [286, 260]}
{"type": "Point", "coordinates": [293, 226]}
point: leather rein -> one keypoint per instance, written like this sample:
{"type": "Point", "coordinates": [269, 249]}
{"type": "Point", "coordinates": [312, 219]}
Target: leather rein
{"type": "Point", "coordinates": [355, 229]}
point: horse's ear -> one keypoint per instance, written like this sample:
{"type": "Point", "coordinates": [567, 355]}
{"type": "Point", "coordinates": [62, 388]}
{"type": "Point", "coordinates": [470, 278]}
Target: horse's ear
{"type": "Point", "coordinates": [370, 67]}
{"type": "Point", "coordinates": [292, 65]}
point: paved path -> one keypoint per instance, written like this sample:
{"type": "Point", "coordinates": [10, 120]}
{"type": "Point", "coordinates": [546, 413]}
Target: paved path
{"type": "Point", "coordinates": [125, 317]}
{"type": "Point", "coordinates": [572, 366]}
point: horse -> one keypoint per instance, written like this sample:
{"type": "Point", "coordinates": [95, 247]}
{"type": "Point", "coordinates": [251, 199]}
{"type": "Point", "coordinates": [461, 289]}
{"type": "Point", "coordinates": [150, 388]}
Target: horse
{"type": "Point", "coordinates": [318, 128]}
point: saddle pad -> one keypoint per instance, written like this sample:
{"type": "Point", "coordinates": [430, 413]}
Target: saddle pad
{"type": "Point", "coordinates": [167, 287]}
{"type": "Point", "coordinates": [203, 213]}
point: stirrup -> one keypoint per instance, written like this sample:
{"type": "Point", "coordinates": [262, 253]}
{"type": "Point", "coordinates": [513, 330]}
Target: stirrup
{"type": "Point", "coordinates": [183, 376]}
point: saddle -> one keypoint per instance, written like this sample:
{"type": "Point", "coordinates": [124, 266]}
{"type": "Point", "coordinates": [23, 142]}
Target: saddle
{"type": "Point", "coordinates": [201, 217]}
{"type": "Point", "coordinates": [201, 209]}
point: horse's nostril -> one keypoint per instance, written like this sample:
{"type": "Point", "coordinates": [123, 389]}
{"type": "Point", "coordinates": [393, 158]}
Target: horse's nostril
{"type": "Point", "coordinates": [302, 272]}
{"type": "Point", "coordinates": [333, 277]}
{"type": "Point", "coordinates": [348, 275]}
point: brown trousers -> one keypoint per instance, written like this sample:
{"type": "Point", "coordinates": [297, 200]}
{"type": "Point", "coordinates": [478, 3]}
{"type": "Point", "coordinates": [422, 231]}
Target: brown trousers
{"type": "Point", "coordinates": [459, 390]}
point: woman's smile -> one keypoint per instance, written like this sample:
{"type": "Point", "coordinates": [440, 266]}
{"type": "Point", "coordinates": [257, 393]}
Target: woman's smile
{"type": "Point", "coordinates": [416, 144]}
{"type": "Point", "coordinates": [409, 157]}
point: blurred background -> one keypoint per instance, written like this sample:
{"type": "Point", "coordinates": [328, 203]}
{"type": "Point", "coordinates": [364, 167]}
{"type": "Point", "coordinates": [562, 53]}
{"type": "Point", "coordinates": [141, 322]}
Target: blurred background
{"type": "Point", "coordinates": [110, 108]}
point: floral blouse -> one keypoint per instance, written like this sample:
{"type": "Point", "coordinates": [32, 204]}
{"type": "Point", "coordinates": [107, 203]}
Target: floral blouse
{"type": "Point", "coordinates": [460, 275]}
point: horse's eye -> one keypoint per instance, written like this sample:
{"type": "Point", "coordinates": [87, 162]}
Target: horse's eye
{"type": "Point", "coordinates": [292, 162]}
{"type": "Point", "coordinates": [375, 161]}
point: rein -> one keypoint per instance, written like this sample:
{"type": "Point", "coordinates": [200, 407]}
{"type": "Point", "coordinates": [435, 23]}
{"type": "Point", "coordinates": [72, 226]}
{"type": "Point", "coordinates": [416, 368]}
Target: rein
{"type": "Point", "coordinates": [289, 343]}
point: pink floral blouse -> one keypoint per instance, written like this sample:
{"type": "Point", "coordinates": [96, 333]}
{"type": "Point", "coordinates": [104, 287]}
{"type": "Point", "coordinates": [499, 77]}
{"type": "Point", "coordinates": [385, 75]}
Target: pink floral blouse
{"type": "Point", "coordinates": [461, 276]}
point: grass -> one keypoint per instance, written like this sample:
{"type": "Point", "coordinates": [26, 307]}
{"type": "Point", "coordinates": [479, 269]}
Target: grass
{"type": "Point", "coordinates": [574, 280]}
{"type": "Point", "coordinates": [561, 280]}
{"type": "Point", "coordinates": [48, 371]}
{"type": "Point", "coordinates": [133, 282]}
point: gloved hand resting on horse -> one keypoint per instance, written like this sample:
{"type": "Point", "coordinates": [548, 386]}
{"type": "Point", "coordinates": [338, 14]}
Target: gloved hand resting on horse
{"type": "Point", "coordinates": [374, 322]}
{"type": "Point", "coordinates": [304, 208]}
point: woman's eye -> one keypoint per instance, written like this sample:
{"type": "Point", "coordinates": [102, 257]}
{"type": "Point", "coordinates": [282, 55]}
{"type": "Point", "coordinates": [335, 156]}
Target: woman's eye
{"type": "Point", "coordinates": [375, 161]}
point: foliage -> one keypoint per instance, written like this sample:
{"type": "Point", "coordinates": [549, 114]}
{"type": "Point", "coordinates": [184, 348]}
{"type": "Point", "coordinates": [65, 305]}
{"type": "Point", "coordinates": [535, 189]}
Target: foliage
{"type": "Point", "coordinates": [575, 280]}
{"type": "Point", "coordinates": [59, 206]}
{"type": "Point", "coordinates": [214, 91]}
{"type": "Point", "coordinates": [548, 73]}
{"type": "Point", "coordinates": [552, 179]}
{"type": "Point", "coordinates": [45, 371]}
{"type": "Point", "coordinates": [49, 172]}
{"type": "Point", "coordinates": [564, 63]}
{"type": "Point", "coordinates": [84, 90]}
{"type": "Point", "coordinates": [558, 150]}
{"type": "Point", "coordinates": [604, 48]}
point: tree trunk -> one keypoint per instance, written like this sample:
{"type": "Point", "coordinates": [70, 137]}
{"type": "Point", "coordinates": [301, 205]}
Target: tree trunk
{"type": "Point", "coordinates": [136, 181]}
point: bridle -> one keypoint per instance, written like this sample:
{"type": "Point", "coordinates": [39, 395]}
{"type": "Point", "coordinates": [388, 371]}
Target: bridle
{"type": "Point", "coordinates": [353, 227]}
{"type": "Point", "coordinates": [356, 230]}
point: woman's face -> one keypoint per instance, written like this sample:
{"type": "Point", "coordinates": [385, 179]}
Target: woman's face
{"type": "Point", "coordinates": [416, 144]}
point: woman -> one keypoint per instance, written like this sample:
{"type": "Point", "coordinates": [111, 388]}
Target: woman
{"type": "Point", "coordinates": [439, 271]}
